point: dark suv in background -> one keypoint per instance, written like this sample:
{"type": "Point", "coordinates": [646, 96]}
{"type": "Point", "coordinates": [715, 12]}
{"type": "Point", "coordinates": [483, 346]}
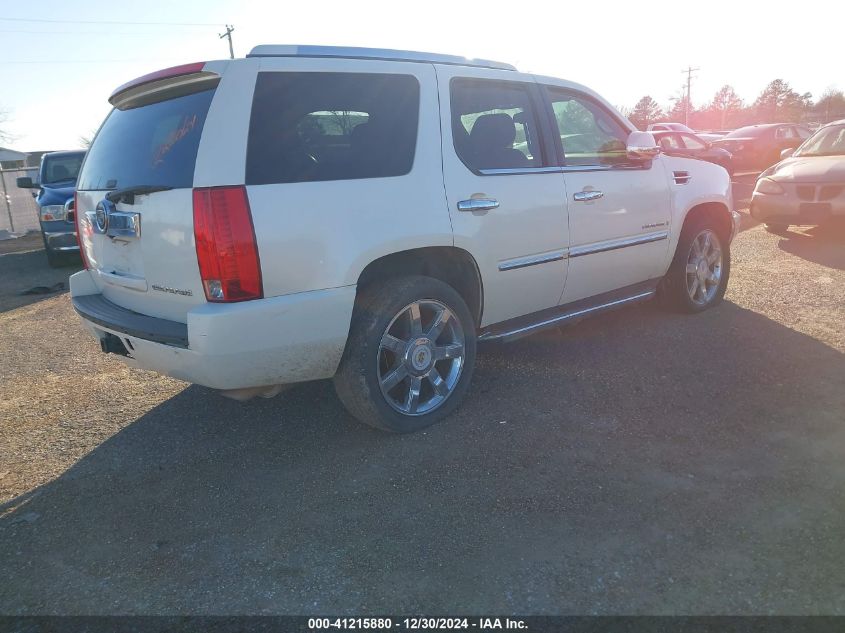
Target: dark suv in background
{"type": "Point", "coordinates": [756, 147]}
{"type": "Point", "coordinates": [56, 186]}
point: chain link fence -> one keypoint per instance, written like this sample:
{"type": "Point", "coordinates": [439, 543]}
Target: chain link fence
{"type": "Point", "coordinates": [18, 211]}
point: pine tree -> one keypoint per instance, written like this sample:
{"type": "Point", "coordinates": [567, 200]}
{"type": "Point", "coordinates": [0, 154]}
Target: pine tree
{"type": "Point", "coordinates": [646, 111]}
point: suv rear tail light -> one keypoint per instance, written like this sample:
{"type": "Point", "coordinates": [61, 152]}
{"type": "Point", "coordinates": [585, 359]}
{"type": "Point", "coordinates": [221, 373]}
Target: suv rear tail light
{"type": "Point", "coordinates": [84, 232]}
{"type": "Point", "coordinates": [226, 250]}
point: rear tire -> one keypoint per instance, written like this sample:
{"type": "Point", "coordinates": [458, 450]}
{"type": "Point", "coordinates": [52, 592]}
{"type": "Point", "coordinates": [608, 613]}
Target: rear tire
{"type": "Point", "coordinates": [698, 276]}
{"type": "Point", "coordinates": [410, 354]}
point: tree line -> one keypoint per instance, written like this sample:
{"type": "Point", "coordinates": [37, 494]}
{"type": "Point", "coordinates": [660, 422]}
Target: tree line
{"type": "Point", "coordinates": [778, 103]}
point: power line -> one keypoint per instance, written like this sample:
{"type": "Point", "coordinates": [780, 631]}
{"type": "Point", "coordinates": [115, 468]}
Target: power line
{"type": "Point", "coordinates": [76, 32]}
{"type": "Point", "coordinates": [109, 22]}
{"type": "Point", "coordinates": [88, 61]}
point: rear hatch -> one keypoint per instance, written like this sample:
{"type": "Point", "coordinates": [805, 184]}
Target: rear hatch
{"type": "Point", "coordinates": [134, 196]}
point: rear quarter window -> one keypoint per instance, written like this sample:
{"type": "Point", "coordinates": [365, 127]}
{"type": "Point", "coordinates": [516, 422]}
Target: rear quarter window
{"type": "Point", "coordinates": [154, 144]}
{"type": "Point", "coordinates": [314, 126]}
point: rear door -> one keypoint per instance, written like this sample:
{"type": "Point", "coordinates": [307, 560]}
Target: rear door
{"type": "Point", "coordinates": [140, 246]}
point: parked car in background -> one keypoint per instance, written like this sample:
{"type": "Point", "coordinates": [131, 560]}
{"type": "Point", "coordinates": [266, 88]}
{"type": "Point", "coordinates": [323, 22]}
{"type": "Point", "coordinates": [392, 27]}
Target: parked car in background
{"type": "Point", "coordinates": [664, 127]}
{"type": "Point", "coordinates": [712, 135]}
{"type": "Point", "coordinates": [807, 187]}
{"type": "Point", "coordinates": [56, 185]}
{"type": "Point", "coordinates": [757, 147]}
{"type": "Point", "coordinates": [312, 212]}
{"type": "Point", "coordinates": [688, 144]}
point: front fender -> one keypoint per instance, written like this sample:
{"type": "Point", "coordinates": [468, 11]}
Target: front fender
{"type": "Point", "coordinates": [708, 183]}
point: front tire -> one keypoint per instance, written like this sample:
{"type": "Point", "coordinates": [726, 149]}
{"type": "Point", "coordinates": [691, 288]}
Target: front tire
{"type": "Point", "coordinates": [698, 276]}
{"type": "Point", "coordinates": [410, 354]}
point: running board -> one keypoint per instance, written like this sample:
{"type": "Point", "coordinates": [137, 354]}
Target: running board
{"type": "Point", "coordinates": [513, 329]}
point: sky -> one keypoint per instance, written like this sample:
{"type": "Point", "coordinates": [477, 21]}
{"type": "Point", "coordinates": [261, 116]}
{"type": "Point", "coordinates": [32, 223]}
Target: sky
{"type": "Point", "coordinates": [57, 70]}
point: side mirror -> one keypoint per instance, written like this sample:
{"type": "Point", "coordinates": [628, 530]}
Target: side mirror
{"type": "Point", "coordinates": [642, 146]}
{"type": "Point", "coordinates": [25, 182]}
{"type": "Point", "coordinates": [789, 151]}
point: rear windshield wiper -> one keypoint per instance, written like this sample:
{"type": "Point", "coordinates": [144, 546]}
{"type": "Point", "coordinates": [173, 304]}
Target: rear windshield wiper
{"type": "Point", "coordinates": [128, 194]}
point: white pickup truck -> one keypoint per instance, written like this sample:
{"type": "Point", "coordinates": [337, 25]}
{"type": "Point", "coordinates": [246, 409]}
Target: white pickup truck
{"type": "Point", "coordinates": [369, 216]}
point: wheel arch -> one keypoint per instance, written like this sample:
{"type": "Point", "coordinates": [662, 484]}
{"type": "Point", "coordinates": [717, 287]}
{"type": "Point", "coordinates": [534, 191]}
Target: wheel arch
{"type": "Point", "coordinates": [717, 210]}
{"type": "Point", "coordinates": [450, 264]}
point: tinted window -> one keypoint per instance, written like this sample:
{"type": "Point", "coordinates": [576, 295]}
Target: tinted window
{"type": "Point", "coordinates": [62, 168]}
{"type": "Point", "coordinates": [589, 134]}
{"type": "Point", "coordinates": [494, 125]}
{"type": "Point", "coordinates": [691, 142]}
{"type": "Point", "coordinates": [155, 144]}
{"type": "Point", "coordinates": [669, 141]}
{"type": "Point", "coordinates": [331, 126]}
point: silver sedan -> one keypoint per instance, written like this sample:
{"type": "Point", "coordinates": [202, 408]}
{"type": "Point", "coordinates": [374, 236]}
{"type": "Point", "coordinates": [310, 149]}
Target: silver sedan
{"type": "Point", "coordinates": [807, 186]}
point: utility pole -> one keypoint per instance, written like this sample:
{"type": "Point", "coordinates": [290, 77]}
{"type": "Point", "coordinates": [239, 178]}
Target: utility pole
{"type": "Point", "coordinates": [689, 71]}
{"type": "Point", "coordinates": [228, 35]}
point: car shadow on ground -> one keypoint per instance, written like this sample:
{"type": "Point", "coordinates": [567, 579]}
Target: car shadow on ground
{"type": "Point", "coordinates": [28, 272]}
{"type": "Point", "coordinates": [818, 244]}
{"type": "Point", "coordinates": [633, 463]}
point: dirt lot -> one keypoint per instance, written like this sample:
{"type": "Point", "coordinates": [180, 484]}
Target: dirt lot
{"type": "Point", "coordinates": [638, 462]}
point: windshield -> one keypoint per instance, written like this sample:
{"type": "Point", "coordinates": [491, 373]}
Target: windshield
{"type": "Point", "coordinates": [63, 168]}
{"type": "Point", "coordinates": [828, 141]}
{"type": "Point", "coordinates": [153, 145]}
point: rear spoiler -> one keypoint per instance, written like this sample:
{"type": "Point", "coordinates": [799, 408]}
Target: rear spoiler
{"type": "Point", "coordinates": [163, 84]}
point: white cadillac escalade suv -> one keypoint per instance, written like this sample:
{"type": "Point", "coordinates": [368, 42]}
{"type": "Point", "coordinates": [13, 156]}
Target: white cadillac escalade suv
{"type": "Point", "coordinates": [369, 216]}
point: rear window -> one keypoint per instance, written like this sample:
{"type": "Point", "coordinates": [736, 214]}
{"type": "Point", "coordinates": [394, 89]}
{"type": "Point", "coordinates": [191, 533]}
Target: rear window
{"type": "Point", "coordinates": [309, 127]}
{"type": "Point", "coordinates": [155, 144]}
{"type": "Point", "coordinates": [61, 169]}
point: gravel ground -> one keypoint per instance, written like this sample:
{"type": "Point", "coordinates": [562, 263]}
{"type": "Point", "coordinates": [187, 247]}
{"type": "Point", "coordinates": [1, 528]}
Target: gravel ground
{"type": "Point", "coordinates": [636, 463]}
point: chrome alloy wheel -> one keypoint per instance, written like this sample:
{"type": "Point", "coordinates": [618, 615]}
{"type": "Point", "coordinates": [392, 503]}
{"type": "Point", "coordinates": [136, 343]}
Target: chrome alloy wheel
{"type": "Point", "coordinates": [420, 357]}
{"type": "Point", "coordinates": [704, 267]}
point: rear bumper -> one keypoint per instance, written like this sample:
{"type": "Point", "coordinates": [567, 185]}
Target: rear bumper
{"type": "Point", "coordinates": [280, 340]}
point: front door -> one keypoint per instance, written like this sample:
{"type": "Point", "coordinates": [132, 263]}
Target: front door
{"type": "Point", "coordinates": [506, 198]}
{"type": "Point", "coordinates": [619, 209]}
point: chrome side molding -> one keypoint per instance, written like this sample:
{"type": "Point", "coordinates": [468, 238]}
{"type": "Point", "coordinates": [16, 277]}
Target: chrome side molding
{"type": "Point", "coordinates": [532, 260]}
{"type": "Point", "coordinates": [612, 245]}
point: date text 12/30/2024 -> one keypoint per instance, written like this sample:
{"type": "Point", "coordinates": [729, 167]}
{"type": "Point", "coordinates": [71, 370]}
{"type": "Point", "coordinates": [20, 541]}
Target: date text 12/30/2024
{"type": "Point", "coordinates": [417, 624]}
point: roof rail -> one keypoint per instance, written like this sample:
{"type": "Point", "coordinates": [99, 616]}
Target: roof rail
{"type": "Point", "coordinates": [351, 52]}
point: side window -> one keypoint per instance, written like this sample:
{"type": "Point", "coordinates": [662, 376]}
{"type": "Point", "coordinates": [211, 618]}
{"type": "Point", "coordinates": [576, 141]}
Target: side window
{"type": "Point", "coordinates": [692, 143]}
{"type": "Point", "coordinates": [784, 132]}
{"type": "Point", "coordinates": [494, 125]}
{"type": "Point", "coordinates": [669, 142]}
{"type": "Point", "coordinates": [803, 133]}
{"type": "Point", "coordinates": [588, 133]}
{"type": "Point", "coordinates": [314, 126]}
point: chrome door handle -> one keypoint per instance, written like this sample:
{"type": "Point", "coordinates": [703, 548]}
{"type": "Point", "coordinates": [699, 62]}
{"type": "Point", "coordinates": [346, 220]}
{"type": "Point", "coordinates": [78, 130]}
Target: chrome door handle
{"type": "Point", "coordinates": [478, 204]}
{"type": "Point", "coordinates": [586, 196]}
